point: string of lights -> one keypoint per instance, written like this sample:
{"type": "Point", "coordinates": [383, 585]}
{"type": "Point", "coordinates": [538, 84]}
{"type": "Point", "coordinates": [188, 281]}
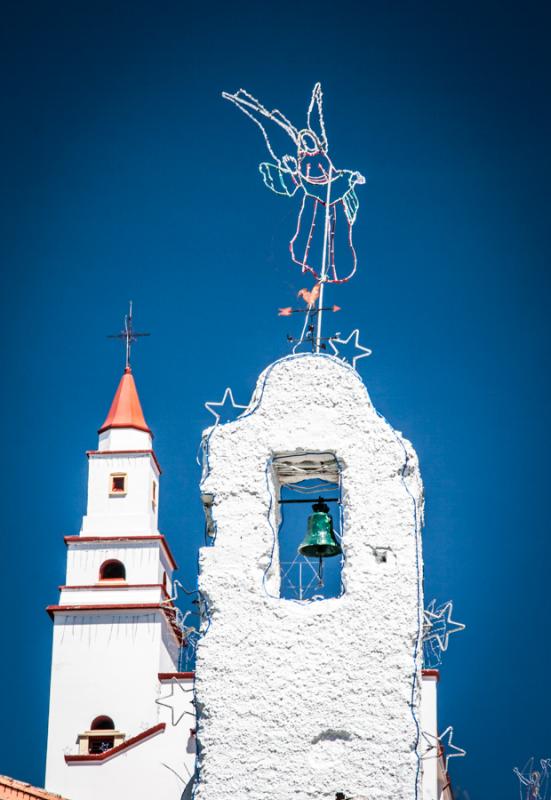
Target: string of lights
{"type": "Point", "coordinates": [534, 782]}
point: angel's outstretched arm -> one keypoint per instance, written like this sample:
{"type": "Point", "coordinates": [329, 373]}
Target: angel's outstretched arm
{"type": "Point", "coordinates": [254, 109]}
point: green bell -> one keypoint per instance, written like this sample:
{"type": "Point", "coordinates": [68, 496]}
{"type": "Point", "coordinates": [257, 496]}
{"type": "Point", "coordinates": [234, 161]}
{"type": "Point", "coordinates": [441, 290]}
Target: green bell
{"type": "Point", "coordinates": [320, 541]}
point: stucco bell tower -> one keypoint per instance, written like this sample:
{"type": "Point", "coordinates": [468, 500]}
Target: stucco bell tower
{"type": "Point", "coordinates": [304, 699]}
{"type": "Point", "coordinates": [120, 711]}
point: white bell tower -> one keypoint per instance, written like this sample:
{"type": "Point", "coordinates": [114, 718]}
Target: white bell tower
{"type": "Point", "coordinates": [322, 696]}
{"type": "Point", "coordinates": [121, 717]}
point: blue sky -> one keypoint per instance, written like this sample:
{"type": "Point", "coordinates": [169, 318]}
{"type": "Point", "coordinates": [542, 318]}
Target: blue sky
{"type": "Point", "coordinates": [125, 175]}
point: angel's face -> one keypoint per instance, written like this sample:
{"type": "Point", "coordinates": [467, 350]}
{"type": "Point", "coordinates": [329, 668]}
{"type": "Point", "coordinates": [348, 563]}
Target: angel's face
{"type": "Point", "coordinates": [313, 162]}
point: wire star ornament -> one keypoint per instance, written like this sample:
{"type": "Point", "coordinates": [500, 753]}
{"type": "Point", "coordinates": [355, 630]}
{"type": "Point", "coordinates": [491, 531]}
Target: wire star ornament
{"type": "Point", "coordinates": [438, 626]}
{"type": "Point", "coordinates": [535, 784]}
{"type": "Point", "coordinates": [339, 340]}
{"type": "Point", "coordinates": [442, 745]}
{"type": "Point", "coordinates": [227, 408]}
{"type": "Point", "coordinates": [178, 701]}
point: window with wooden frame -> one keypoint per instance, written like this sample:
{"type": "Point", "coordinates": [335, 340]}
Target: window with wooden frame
{"type": "Point", "coordinates": [117, 483]}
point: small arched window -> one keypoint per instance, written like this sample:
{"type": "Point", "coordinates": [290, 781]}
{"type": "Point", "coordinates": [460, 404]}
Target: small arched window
{"type": "Point", "coordinates": [102, 741]}
{"type": "Point", "coordinates": [102, 723]}
{"type": "Point", "coordinates": [112, 570]}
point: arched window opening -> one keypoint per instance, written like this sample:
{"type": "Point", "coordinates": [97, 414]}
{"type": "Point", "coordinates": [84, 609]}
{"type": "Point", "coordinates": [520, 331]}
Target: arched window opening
{"type": "Point", "coordinates": [112, 570]}
{"type": "Point", "coordinates": [102, 723]}
{"type": "Point", "coordinates": [308, 494]}
{"type": "Point", "coordinates": [102, 742]}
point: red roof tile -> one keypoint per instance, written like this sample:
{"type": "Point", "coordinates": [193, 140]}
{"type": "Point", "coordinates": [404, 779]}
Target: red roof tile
{"type": "Point", "coordinates": [10, 789]}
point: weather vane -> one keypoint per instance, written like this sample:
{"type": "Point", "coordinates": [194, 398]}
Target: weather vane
{"type": "Point", "coordinates": [328, 196]}
{"type": "Point", "coordinates": [128, 334]}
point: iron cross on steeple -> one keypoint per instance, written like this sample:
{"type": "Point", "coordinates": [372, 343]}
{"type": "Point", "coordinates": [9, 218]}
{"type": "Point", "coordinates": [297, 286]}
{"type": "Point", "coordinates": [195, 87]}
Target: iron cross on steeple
{"type": "Point", "coordinates": [128, 334]}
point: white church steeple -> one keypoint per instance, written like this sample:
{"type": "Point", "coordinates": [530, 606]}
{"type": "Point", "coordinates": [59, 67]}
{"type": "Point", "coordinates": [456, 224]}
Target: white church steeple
{"type": "Point", "coordinates": [116, 640]}
{"type": "Point", "coordinates": [123, 483]}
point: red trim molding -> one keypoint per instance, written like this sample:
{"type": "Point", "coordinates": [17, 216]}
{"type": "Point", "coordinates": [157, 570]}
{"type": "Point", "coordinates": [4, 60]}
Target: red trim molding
{"type": "Point", "coordinates": [126, 453]}
{"type": "Point", "coordinates": [143, 538]}
{"type": "Point", "coordinates": [167, 611]}
{"type": "Point", "coordinates": [431, 673]}
{"type": "Point", "coordinates": [99, 757]}
{"type": "Point", "coordinates": [169, 676]}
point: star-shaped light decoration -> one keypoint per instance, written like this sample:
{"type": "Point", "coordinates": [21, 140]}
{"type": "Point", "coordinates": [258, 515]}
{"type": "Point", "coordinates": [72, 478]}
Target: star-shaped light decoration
{"type": "Point", "coordinates": [227, 408]}
{"type": "Point", "coordinates": [356, 345]}
{"type": "Point", "coordinates": [439, 625]}
{"type": "Point", "coordinates": [178, 701]}
{"type": "Point", "coordinates": [442, 745]}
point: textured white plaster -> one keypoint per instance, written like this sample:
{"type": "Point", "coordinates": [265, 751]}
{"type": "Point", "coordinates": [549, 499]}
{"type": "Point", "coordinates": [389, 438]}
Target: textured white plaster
{"type": "Point", "coordinates": [301, 700]}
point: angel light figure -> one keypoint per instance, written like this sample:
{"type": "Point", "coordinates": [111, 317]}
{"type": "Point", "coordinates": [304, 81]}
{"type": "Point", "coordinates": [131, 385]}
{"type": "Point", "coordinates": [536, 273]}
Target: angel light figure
{"type": "Point", "coordinates": [536, 781]}
{"type": "Point", "coordinates": [322, 185]}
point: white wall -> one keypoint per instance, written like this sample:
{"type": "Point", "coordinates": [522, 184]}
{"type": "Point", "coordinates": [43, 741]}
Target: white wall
{"type": "Point", "coordinates": [145, 562]}
{"type": "Point", "coordinates": [429, 725]}
{"type": "Point", "coordinates": [124, 439]}
{"type": "Point", "coordinates": [305, 700]}
{"type": "Point", "coordinates": [108, 663]}
{"type": "Point", "coordinates": [131, 513]}
{"type": "Point", "coordinates": [156, 769]}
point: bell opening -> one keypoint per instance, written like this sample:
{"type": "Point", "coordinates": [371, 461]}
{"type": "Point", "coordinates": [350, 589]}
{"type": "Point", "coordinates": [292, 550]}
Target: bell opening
{"type": "Point", "coordinates": [310, 552]}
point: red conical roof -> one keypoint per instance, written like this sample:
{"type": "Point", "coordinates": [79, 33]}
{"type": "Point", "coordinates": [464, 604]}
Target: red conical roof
{"type": "Point", "coordinates": [126, 410]}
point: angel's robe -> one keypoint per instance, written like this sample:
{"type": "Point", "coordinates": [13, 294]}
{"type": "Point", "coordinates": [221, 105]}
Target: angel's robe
{"type": "Point", "coordinates": [284, 181]}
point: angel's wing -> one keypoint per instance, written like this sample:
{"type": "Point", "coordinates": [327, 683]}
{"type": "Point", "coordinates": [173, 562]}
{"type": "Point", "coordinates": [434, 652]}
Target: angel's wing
{"type": "Point", "coordinates": [351, 205]}
{"type": "Point", "coordinates": [254, 109]}
{"type": "Point", "coordinates": [315, 119]}
{"type": "Point", "coordinates": [279, 180]}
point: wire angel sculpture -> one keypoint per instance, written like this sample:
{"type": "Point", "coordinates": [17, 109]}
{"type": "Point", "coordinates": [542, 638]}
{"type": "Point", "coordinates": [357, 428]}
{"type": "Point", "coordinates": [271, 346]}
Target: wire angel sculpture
{"type": "Point", "coordinates": [311, 172]}
{"type": "Point", "coordinates": [535, 784]}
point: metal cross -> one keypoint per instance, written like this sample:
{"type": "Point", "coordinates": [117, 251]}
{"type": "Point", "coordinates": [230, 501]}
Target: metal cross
{"type": "Point", "coordinates": [128, 334]}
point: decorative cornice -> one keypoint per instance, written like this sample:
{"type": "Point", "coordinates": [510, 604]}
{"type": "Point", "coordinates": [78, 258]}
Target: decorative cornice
{"type": "Point", "coordinates": [431, 673]}
{"type": "Point", "coordinates": [182, 676]}
{"type": "Point", "coordinates": [131, 538]}
{"type": "Point", "coordinates": [169, 612]}
{"type": "Point", "coordinates": [126, 453]}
